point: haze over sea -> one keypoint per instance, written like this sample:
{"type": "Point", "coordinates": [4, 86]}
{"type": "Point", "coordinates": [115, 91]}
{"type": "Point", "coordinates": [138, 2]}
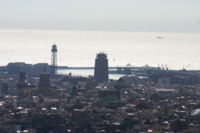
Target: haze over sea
{"type": "Point", "coordinates": [79, 48]}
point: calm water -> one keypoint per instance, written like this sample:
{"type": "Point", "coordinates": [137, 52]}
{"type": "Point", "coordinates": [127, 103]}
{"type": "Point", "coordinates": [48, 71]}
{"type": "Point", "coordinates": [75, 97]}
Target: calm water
{"type": "Point", "coordinates": [79, 48]}
{"type": "Point", "coordinates": [87, 73]}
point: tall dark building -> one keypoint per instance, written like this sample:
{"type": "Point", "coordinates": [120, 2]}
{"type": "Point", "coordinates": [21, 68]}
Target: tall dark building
{"type": "Point", "coordinates": [22, 81]}
{"type": "Point", "coordinates": [53, 59]}
{"type": "Point", "coordinates": [101, 68]}
{"type": "Point", "coordinates": [21, 85]}
{"type": "Point", "coordinates": [44, 82]}
{"type": "Point", "coordinates": [22, 77]}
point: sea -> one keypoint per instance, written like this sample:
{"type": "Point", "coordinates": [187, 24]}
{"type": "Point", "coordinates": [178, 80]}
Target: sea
{"type": "Point", "coordinates": [79, 48]}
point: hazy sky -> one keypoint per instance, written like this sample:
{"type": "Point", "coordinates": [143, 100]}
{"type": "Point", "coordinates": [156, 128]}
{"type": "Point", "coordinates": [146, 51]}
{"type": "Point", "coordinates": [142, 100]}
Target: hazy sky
{"type": "Point", "coordinates": [117, 15]}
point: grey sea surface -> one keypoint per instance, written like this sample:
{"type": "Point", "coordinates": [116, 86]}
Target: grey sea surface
{"type": "Point", "coordinates": [79, 48]}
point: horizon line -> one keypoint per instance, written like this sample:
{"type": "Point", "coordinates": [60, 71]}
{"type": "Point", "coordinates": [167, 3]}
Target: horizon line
{"type": "Point", "coordinates": [92, 30]}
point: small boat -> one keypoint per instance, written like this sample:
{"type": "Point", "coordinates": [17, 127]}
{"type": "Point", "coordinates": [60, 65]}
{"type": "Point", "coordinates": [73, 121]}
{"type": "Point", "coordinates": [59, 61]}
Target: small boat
{"type": "Point", "coordinates": [160, 37]}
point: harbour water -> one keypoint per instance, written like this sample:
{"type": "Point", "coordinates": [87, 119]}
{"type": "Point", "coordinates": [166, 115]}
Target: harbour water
{"type": "Point", "coordinates": [79, 48]}
{"type": "Point", "coordinates": [86, 73]}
